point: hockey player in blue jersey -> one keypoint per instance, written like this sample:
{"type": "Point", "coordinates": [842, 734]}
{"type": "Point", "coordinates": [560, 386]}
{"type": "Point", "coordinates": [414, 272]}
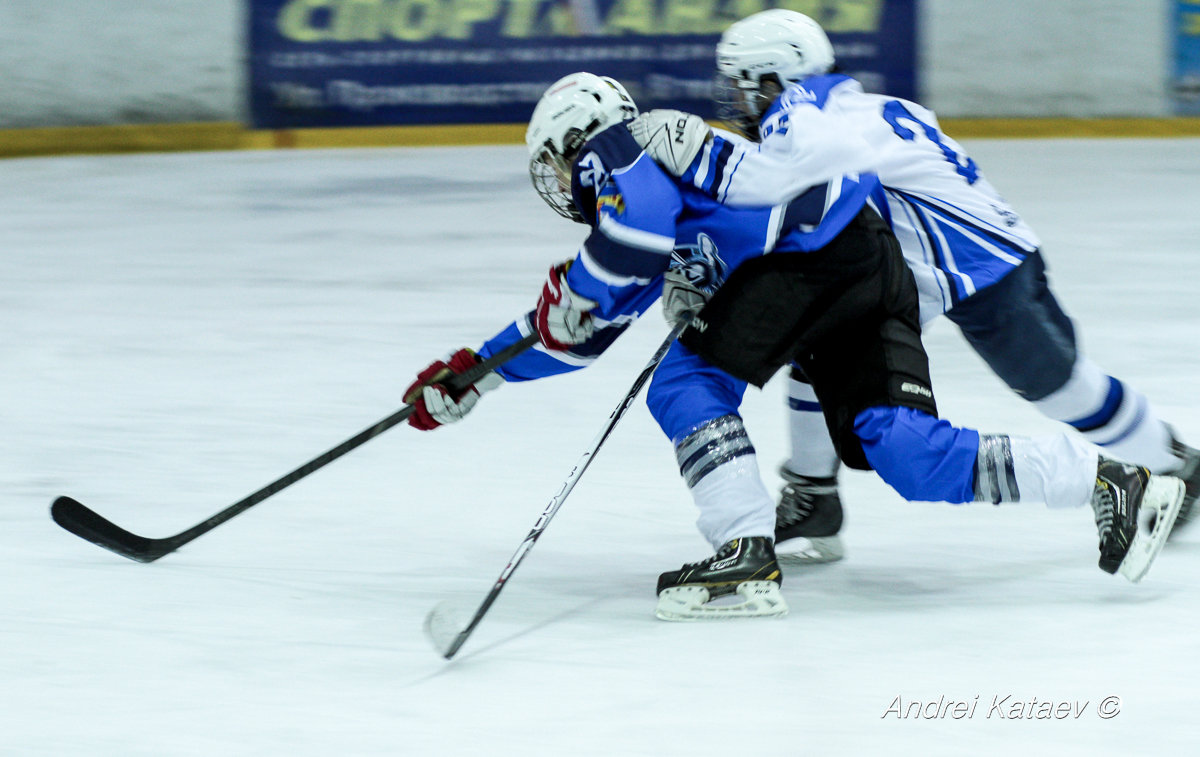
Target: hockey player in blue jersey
{"type": "Point", "coordinates": [973, 257]}
{"type": "Point", "coordinates": [833, 295]}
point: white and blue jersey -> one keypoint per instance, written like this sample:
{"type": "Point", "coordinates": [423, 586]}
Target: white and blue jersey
{"type": "Point", "coordinates": [957, 234]}
{"type": "Point", "coordinates": [642, 219]}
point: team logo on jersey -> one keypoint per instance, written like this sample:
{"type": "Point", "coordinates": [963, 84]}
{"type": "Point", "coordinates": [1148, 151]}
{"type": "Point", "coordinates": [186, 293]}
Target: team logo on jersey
{"type": "Point", "coordinates": [612, 199]}
{"type": "Point", "coordinates": [700, 263]}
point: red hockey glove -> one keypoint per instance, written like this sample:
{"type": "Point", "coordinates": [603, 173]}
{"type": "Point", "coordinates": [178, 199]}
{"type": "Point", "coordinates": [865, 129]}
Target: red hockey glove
{"type": "Point", "coordinates": [562, 317]}
{"type": "Point", "coordinates": [435, 404]}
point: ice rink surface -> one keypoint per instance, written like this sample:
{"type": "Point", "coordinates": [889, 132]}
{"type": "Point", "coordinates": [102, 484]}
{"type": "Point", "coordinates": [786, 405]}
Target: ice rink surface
{"type": "Point", "coordinates": [176, 331]}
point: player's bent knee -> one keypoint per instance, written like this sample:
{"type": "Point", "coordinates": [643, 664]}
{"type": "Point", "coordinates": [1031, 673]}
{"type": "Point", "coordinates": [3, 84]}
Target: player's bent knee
{"type": "Point", "coordinates": [678, 406]}
{"type": "Point", "coordinates": [687, 392]}
{"type": "Point", "coordinates": [923, 458]}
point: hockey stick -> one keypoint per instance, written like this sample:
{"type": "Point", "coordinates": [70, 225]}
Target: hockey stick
{"type": "Point", "coordinates": [443, 625]}
{"type": "Point", "coordinates": [87, 524]}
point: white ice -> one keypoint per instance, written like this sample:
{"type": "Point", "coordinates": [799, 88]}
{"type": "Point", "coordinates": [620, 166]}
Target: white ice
{"type": "Point", "coordinates": [176, 331]}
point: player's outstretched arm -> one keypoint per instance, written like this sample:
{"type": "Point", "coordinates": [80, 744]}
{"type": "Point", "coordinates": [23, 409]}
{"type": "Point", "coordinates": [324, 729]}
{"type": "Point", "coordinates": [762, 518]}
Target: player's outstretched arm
{"type": "Point", "coordinates": [561, 320]}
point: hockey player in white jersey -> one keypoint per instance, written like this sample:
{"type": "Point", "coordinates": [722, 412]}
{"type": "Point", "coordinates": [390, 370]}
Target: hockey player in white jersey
{"type": "Point", "coordinates": [972, 255]}
{"type": "Point", "coordinates": [834, 295]}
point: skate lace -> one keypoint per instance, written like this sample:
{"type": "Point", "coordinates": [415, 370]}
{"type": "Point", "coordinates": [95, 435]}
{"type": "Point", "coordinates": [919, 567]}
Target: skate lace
{"type": "Point", "coordinates": [1105, 507]}
{"type": "Point", "coordinates": [725, 551]}
{"type": "Point", "coordinates": [796, 504]}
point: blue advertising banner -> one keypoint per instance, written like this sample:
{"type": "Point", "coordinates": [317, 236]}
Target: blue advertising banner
{"type": "Point", "coordinates": [322, 63]}
{"type": "Point", "coordinates": [1185, 79]}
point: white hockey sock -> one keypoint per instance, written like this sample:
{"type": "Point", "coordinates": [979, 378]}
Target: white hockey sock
{"type": "Point", "coordinates": [812, 449]}
{"type": "Point", "coordinates": [1112, 415]}
{"type": "Point", "coordinates": [733, 503]}
{"type": "Point", "coordinates": [718, 464]}
{"type": "Point", "coordinates": [1057, 469]}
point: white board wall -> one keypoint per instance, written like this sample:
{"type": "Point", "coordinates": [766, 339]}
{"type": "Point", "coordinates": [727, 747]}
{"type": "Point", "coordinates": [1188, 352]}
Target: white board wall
{"type": "Point", "coordinates": [77, 62]}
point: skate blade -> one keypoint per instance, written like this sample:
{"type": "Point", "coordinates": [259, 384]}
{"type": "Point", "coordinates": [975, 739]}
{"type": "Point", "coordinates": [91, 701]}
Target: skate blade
{"type": "Point", "coordinates": [1164, 495]}
{"type": "Point", "coordinates": [806, 550]}
{"type": "Point", "coordinates": [688, 603]}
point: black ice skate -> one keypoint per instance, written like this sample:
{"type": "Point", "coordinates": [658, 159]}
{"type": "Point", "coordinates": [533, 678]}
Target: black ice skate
{"type": "Point", "coordinates": [744, 567]}
{"type": "Point", "coordinates": [1125, 497]}
{"type": "Point", "coordinates": [1189, 472]}
{"type": "Point", "coordinates": [808, 519]}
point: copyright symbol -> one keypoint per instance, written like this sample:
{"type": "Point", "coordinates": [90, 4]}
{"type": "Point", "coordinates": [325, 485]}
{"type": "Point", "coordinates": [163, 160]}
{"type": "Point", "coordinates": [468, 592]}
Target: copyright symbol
{"type": "Point", "coordinates": [1109, 707]}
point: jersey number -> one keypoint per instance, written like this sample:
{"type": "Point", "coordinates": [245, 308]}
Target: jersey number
{"type": "Point", "coordinates": [894, 111]}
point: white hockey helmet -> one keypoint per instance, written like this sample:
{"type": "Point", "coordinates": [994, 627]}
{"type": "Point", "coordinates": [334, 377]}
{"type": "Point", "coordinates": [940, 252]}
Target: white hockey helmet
{"type": "Point", "coordinates": [775, 47]}
{"type": "Point", "coordinates": [574, 109]}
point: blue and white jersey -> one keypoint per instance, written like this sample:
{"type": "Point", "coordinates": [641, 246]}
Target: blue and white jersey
{"type": "Point", "coordinates": [642, 219]}
{"type": "Point", "coordinates": [958, 235]}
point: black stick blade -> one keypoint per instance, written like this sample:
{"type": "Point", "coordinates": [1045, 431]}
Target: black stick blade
{"type": "Point", "coordinates": [87, 524]}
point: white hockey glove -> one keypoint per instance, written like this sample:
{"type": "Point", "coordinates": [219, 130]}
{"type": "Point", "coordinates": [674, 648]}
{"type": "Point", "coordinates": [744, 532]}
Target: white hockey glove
{"type": "Point", "coordinates": [671, 137]}
{"type": "Point", "coordinates": [680, 296]}
{"type": "Point", "coordinates": [562, 318]}
{"type": "Point", "coordinates": [444, 409]}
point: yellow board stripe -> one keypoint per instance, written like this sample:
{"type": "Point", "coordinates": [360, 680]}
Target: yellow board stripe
{"type": "Point", "coordinates": [1018, 128]}
{"type": "Point", "coordinates": [189, 137]}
